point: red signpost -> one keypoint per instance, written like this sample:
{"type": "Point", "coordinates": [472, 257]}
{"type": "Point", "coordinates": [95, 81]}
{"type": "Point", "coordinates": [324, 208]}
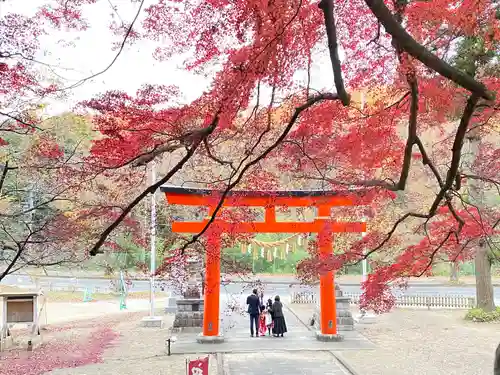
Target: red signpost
{"type": "Point", "coordinates": [322, 224]}
{"type": "Point", "coordinates": [198, 366]}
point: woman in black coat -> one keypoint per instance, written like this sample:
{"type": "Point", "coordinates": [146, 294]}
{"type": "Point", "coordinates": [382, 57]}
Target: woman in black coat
{"type": "Point", "coordinates": [279, 324]}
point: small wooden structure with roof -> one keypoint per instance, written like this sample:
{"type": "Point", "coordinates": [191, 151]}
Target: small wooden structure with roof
{"type": "Point", "coordinates": [18, 306]}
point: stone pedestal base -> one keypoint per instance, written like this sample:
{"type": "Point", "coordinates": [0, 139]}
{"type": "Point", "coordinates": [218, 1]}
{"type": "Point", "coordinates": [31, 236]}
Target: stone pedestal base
{"type": "Point", "coordinates": [209, 339]}
{"type": "Point", "coordinates": [186, 329]}
{"type": "Point", "coordinates": [189, 313]}
{"type": "Point", "coordinates": [345, 321]}
{"type": "Point", "coordinates": [328, 338]}
{"type": "Point", "coordinates": [152, 322]}
{"type": "Point", "coordinates": [171, 305]}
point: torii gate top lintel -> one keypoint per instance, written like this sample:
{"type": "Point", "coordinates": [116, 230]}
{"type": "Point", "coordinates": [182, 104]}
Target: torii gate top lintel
{"type": "Point", "coordinates": [261, 198]}
{"type": "Point", "coordinates": [323, 200]}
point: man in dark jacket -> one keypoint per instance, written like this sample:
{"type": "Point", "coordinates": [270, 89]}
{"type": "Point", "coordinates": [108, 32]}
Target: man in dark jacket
{"type": "Point", "coordinates": [253, 302]}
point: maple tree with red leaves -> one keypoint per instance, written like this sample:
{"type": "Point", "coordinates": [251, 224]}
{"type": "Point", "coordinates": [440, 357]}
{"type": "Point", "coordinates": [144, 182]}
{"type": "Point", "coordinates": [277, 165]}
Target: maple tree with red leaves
{"type": "Point", "coordinates": [52, 202]}
{"type": "Point", "coordinates": [263, 123]}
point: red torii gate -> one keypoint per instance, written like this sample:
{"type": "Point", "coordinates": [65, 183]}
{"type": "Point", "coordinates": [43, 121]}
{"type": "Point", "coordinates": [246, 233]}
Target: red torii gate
{"type": "Point", "coordinates": [322, 224]}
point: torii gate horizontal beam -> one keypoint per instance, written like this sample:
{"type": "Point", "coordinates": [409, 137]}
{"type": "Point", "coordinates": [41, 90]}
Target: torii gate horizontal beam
{"type": "Point", "coordinates": [274, 227]}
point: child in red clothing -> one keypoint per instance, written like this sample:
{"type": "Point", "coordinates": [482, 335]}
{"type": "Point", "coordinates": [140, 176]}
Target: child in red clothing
{"type": "Point", "coordinates": [262, 322]}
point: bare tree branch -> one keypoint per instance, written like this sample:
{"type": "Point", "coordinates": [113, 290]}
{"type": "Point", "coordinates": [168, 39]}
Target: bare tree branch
{"type": "Point", "coordinates": [456, 151]}
{"type": "Point", "coordinates": [485, 179]}
{"type": "Point", "coordinates": [427, 161]}
{"type": "Point", "coordinates": [327, 6]}
{"type": "Point", "coordinates": [21, 246]}
{"type": "Point", "coordinates": [433, 254]}
{"type": "Point", "coordinates": [365, 183]}
{"type": "Point", "coordinates": [412, 134]}
{"type": "Point", "coordinates": [19, 120]}
{"type": "Point", "coordinates": [120, 50]}
{"type": "Point", "coordinates": [4, 175]}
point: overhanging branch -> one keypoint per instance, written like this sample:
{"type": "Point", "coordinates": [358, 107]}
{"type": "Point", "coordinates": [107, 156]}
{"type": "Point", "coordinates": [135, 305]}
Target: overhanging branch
{"type": "Point", "coordinates": [298, 110]}
{"type": "Point", "coordinates": [151, 189]}
{"type": "Point", "coordinates": [410, 45]}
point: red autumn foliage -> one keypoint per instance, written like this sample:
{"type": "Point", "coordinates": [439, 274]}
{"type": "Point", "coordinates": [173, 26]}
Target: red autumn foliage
{"type": "Point", "coordinates": [48, 148]}
{"type": "Point", "coordinates": [442, 241]}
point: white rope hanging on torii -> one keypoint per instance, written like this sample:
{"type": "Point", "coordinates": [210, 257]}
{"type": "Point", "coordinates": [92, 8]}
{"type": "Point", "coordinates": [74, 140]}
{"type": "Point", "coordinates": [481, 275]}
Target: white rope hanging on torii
{"type": "Point", "coordinates": [274, 249]}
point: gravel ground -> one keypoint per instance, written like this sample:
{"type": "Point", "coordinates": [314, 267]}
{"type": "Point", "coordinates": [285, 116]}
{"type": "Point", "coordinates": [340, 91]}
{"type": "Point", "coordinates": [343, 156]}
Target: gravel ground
{"type": "Point", "coordinates": [427, 342]}
{"type": "Point", "coordinates": [175, 365]}
{"type": "Point", "coordinates": [412, 342]}
{"type": "Point", "coordinates": [110, 345]}
{"type": "Point", "coordinates": [138, 350]}
{"type": "Point", "coordinates": [70, 344]}
{"type": "Point", "coordinates": [409, 342]}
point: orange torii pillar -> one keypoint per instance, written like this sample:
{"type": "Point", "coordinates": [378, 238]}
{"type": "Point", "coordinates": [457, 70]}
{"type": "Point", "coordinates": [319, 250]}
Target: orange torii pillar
{"type": "Point", "coordinates": [323, 225]}
{"type": "Point", "coordinates": [212, 287]}
{"type": "Point", "coordinates": [328, 308]}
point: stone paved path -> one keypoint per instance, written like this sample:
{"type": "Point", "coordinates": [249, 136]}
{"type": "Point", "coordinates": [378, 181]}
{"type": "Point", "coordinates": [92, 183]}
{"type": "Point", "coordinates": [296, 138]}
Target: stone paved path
{"type": "Point", "coordinates": [270, 363]}
{"type": "Point", "coordinates": [238, 325]}
{"type": "Point", "coordinates": [238, 340]}
{"type": "Point", "coordinates": [298, 353]}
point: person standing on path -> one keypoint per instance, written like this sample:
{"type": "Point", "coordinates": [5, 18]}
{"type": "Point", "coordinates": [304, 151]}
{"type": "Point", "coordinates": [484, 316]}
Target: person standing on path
{"type": "Point", "coordinates": [279, 324]}
{"type": "Point", "coordinates": [269, 316]}
{"type": "Point", "coordinates": [253, 302]}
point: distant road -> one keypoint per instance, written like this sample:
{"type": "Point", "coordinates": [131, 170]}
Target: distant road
{"type": "Point", "coordinates": [272, 287]}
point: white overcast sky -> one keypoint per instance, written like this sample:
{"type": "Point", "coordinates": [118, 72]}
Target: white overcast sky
{"type": "Point", "coordinates": [89, 52]}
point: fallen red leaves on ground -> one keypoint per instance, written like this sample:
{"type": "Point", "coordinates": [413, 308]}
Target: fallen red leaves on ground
{"type": "Point", "coordinates": [76, 352]}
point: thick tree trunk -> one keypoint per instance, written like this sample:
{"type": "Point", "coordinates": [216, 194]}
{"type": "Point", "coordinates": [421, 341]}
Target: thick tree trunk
{"type": "Point", "coordinates": [454, 269]}
{"type": "Point", "coordinates": [484, 284]}
{"type": "Point", "coordinates": [482, 261]}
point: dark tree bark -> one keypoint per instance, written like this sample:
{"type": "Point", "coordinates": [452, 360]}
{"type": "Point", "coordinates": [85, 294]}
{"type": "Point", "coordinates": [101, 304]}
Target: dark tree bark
{"type": "Point", "coordinates": [482, 260]}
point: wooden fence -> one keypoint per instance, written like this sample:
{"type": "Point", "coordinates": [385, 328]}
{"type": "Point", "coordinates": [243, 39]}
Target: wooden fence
{"type": "Point", "coordinates": [404, 301]}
